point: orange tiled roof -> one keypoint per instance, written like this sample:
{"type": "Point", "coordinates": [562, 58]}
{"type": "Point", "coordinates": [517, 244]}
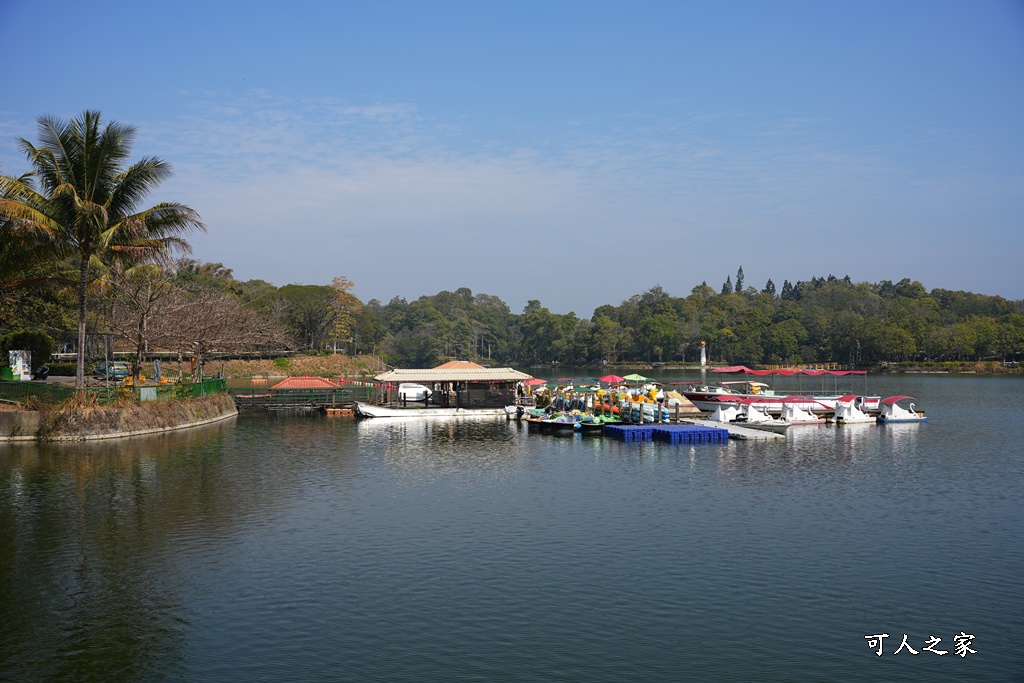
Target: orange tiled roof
{"type": "Point", "coordinates": [305, 382]}
{"type": "Point", "coordinates": [459, 374]}
{"type": "Point", "coordinates": [459, 365]}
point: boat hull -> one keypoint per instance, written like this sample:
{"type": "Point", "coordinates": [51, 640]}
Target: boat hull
{"type": "Point", "coordinates": [856, 420]}
{"type": "Point", "coordinates": [709, 401]}
{"type": "Point", "coordinates": [590, 428]}
{"type": "Point", "coordinates": [369, 410]}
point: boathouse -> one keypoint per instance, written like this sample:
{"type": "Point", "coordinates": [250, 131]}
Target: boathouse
{"type": "Point", "coordinates": [458, 384]}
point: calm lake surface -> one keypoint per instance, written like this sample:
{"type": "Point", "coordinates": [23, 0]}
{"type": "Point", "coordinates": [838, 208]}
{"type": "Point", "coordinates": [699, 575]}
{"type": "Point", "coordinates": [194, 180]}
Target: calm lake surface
{"type": "Point", "coordinates": [287, 548]}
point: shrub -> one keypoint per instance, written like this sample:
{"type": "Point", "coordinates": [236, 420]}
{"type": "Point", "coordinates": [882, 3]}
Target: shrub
{"type": "Point", "coordinates": [39, 344]}
{"type": "Point", "coordinates": [64, 369]}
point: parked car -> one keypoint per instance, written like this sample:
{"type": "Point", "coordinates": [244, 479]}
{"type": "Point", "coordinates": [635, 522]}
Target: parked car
{"type": "Point", "coordinates": [114, 369]}
{"type": "Point", "coordinates": [413, 392]}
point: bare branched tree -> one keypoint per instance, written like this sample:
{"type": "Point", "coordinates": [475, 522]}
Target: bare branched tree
{"type": "Point", "coordinates": [136, 296]}
{"type": "Point", "coordinates": [196, 323]}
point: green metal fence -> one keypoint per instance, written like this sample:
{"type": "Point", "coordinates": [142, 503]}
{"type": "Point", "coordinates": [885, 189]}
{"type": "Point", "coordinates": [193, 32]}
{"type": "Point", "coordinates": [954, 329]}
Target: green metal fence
{"type": "Point", "coordinates": [268, 398]}
{"type": "Point", "coordinates": [18, 392]}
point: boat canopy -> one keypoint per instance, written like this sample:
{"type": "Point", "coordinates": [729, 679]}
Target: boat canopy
{"type": "Point", "coordinates": [803, 399]}
{"type": "Point", "coordinates": [497, 375]}
{"type": "Point", "coordinates": [892, 399]}
{"type": "Point", "coordinates": [786, 371]}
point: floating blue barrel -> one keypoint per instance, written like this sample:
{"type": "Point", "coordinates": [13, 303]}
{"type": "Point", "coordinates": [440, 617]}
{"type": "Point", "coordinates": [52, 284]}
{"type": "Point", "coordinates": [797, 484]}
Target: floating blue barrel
{"type": "Point", "coordinates": [676, 434]}
{"type": "Point", "coordinates": [629, 433]}
{"type": "Point", "coordinates": [690, 434]}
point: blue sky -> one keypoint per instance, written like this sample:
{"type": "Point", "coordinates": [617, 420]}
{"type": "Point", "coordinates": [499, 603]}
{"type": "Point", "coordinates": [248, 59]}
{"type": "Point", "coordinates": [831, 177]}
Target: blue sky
{"type": "Point", "coordinates": [572, 152]}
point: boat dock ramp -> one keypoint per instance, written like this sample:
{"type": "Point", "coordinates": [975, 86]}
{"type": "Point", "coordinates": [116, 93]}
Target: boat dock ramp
{"type": "Point", "coordinates": [740, 433]}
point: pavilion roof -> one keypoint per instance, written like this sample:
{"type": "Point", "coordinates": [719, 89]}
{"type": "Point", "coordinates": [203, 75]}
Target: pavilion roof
{"type": "Point", "coordinates": [452, 375]}
{"type": "Point", "coordinates": [305, 382]}
{"type": "Point", "coordinates": [459, 365]}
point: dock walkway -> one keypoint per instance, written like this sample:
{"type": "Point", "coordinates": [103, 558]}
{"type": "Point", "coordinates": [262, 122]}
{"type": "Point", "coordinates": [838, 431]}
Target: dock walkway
{"type": "Point", "coordinates": [738, 432]}
{"type": "Point", "coordinates": [300, 399]}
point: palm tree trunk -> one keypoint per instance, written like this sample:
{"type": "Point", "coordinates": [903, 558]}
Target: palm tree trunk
{"type": "Point", "coordinates": [83, 281]}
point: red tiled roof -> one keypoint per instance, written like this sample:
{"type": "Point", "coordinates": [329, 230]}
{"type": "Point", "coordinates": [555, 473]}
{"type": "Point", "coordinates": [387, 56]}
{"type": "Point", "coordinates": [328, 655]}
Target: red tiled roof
{"type": "Point", "coordinates": [459, 365]}
{"type": "Point", "coordinates": [455, 375]}
{"type": "Point", "coordinates": [305, 382]}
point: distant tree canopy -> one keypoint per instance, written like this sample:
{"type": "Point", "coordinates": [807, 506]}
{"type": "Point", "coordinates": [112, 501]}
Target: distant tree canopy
{"type": "Point", "coordinates": [824, 319]}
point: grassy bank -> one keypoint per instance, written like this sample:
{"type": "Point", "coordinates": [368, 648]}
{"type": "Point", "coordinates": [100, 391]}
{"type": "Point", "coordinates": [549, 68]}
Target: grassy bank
{"type": "Point", "coordinates": [81, 417]}
{"type": "Point", "coordinates": [978, 367]}
{"type": "Point", "coordinates": [332, 365]}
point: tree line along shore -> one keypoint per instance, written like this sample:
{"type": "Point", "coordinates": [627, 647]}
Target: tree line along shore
{"type": "Point", "coordinates": [87, 266]}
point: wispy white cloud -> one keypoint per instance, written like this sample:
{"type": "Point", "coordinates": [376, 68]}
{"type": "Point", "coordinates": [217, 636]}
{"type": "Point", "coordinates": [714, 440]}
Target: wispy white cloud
{"type": "Point", "coordinates": [587, 212]}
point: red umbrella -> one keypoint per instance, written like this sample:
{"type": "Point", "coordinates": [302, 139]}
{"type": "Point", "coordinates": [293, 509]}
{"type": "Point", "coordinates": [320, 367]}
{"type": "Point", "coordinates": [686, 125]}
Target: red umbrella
{"type": "Point", "coordinates": [534, 382]}
{"type": "Point", "coordinates": [612, 379]}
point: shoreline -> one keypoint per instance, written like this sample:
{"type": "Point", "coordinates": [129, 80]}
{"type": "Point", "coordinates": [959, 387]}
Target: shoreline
{"type": "Point", "coordinates": [89, 423]}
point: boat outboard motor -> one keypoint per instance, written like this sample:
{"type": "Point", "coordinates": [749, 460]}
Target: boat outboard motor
{"type": "Point", "coordinates": [42, 372]}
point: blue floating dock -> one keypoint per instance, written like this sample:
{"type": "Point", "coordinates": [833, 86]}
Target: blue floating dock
{"type": "Point", "coordinates": [690, 434]}
{"type": "Point", "coordinates": [675, 433]}
{"type": "Point", "coordinates": [630, 433]}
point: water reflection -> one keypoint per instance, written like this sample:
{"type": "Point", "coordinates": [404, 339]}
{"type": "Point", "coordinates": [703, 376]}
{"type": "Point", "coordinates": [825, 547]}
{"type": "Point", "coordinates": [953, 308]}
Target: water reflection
{"type": "Point", "coordinates": [283, 547]}
{"type": "Point", "coordinates": [421, 451]}
{"type": "Point", "coordinates": [85, 580]}
{"type": "Point", "coordinates": [92, 582]}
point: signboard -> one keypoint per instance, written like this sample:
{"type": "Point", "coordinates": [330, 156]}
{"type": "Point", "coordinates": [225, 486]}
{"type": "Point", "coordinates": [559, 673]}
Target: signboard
{"type": "Point", "coordinates": [21, 364]}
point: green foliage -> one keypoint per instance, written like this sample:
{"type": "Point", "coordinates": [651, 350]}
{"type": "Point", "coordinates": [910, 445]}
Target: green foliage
{"type": "Point", "coordinates": [81, 203]}
{"type": "Point", "coordinates": [308, 312]}
{"type": "Point", "coordinates": [39, 344]}
{"type": "Point", "coordinates": [823, 319]}
{"type": "Point", "coordinates": [282, 364]}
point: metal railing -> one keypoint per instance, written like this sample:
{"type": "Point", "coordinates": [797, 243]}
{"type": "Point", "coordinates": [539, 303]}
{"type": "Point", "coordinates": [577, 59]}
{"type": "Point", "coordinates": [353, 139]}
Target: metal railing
{"type": "Point", "coordinates": [266, 398]}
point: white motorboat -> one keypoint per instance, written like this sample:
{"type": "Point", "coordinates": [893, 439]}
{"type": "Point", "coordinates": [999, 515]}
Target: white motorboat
{"type": "Point", "coordinates": [371, 410]}
{"type": "Point", "coordinates": [893, 411]}
{"type": "Point", "coordinates": [704, 395]}
{"type": "Point", "coordinates": [707, 397]}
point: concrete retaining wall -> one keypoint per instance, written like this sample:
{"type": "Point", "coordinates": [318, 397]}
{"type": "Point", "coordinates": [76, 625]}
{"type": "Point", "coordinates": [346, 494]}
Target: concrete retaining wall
{"type": "Point", "coordinates": [19, 425]}
{"type": "Point", "coordinates": [23, 425]}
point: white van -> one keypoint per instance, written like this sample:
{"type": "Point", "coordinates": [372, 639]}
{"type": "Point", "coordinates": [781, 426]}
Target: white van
{"type": "Point", "coordinates": [413, 392]}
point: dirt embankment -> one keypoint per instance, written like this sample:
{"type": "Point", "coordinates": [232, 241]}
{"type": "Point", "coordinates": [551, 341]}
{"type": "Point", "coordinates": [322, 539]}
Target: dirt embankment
{"type": "Point", "coordinates": [333, 365]}
{"type": "Point", "coordinates": [82, 418]}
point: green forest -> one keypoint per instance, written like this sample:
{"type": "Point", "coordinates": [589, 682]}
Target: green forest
{"type": "Point", "coordinates": [823, 319]}
{"type": "Point", "coordinates": [85, 266]}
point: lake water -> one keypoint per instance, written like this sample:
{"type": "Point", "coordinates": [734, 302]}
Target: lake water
{"type": "Point", "coordinates": [287, 548]}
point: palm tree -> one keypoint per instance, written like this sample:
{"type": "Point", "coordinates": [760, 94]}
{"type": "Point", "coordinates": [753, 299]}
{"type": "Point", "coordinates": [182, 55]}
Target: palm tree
{"type": "Point", "coordinates": [81, 200]}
